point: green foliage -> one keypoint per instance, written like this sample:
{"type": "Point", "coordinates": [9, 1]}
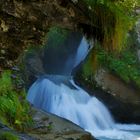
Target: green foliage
{"type": "Point", "coordinates": [112, 19]}
{"type": "Point", "coordinates": [125, 64]}
{"type": "Point", "coordinates": [128, 5]}
{"type": "Point", "coordinates": [49, 127]}
{"type": "Point", "coordinates": [90, 66]}
{"type": "Point", "coordinates": [8, 136]}
{"type": "Point", "coordinates": [14, 110]}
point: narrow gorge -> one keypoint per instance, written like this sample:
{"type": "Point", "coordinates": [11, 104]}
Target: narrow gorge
{"type": "Point", "coordinates": [70, 70]}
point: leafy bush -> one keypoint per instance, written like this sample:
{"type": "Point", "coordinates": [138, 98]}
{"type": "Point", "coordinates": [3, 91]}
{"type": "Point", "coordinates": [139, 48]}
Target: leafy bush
{"type": "Point", "coordinates": [8, 136]}
{"type": "Point", "coordinates": [14, 110]}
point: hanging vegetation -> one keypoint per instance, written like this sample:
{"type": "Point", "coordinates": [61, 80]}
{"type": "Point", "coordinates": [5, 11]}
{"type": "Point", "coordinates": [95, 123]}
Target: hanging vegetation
{"type": "Point", "coordinates": [14, 110]}
{"type": "Point", "coordinates": [111, 21]}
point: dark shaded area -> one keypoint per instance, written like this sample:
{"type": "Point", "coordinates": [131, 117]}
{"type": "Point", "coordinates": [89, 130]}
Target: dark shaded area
{"type": "Point", "coordinates": [60, 58]}
{"type": "Point", "coordinates": [57, 57]}
{"type": "Point", "coordinates": [24, 23]}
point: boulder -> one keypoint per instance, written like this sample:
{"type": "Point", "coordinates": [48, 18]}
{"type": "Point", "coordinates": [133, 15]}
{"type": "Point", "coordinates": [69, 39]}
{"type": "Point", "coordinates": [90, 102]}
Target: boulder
{"type": "Point", "coordinates": [47, 126]}
{"type": "Point", "coordinates": [123, 100]}
{"type": "Point", "coordinates": [51, 127]}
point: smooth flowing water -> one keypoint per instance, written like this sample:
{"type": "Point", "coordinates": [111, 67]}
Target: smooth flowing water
{"type": "Point", "coordinates": [59, 95]}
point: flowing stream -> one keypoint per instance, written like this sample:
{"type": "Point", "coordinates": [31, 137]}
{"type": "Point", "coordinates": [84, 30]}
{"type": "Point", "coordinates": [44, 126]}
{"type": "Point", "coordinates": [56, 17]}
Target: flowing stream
{"type": "Point", "coordinates": [59, 95]}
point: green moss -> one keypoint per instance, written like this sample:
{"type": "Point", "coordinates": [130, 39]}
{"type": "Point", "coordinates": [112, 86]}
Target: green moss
{"type": "Point", "coordinates": [14, 110]}
{"type": "Point", "coordinates": [125, 64]}
{"type": "Point", "coordinates": [58, 34]}
{"type": "Point", "coordinates": [113, 20]}
{"type": "Point", "coordinates": [8, 136]}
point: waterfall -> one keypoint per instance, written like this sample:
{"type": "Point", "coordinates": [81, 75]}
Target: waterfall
{"type": "Point", "coordinates": [77, 106]}
{"type": "Point", "coordinates": [58, 94]}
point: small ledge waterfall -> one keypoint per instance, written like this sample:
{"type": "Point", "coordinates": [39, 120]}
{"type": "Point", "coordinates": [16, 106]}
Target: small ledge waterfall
{"type": "Point", "coordinates": [58, 94]}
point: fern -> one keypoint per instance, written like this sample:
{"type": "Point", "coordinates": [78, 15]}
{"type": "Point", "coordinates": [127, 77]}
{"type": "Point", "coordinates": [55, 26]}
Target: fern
{"type": "Point", "coordinates": [13, 107]}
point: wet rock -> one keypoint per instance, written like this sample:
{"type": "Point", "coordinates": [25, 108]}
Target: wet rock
{"type": "Point", "coordinates": [139, 55]}
{"type": "Point", "coordinates": [138, 11]}
{"type": "Point", "coordinates": [123, 100]}
{"type": "Point", "coordinates": [51, 127]}
{"type": "Point", "coordinates": [22, 136]}
{"type": "Point", "coordinates": [117, 87]}
{"type": "Point", "coordinates": [137, 30]}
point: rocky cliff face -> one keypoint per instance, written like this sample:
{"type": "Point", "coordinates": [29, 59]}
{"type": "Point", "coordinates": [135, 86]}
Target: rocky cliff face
{"type": "Point", "coordinates": [27, 22]}
{"type": "Point", "coordinates": [122, 99]}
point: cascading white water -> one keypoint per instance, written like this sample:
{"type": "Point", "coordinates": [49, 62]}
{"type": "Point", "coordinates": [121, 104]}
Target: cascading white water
{"type": "Point", "coordinates": [77, 106]}
{"type": "Point", "coordinates": [60, 95]}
